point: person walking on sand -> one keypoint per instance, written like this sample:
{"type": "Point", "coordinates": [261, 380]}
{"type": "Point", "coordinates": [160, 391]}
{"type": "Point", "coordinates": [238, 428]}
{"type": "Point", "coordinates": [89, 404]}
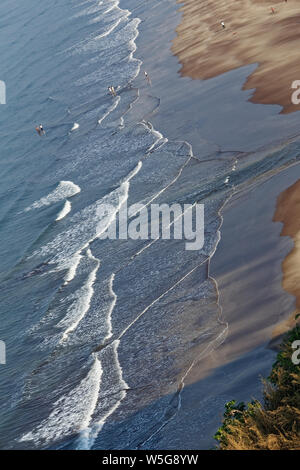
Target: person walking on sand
{"type": "Point", "coordinates": [223, 24]}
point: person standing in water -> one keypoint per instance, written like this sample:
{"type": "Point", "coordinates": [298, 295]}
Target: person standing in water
{"type": "Point", "coordinates": [147, 78]}
{"type": "Point", "coordinates": [112, 91]}
{"type": "Point", "coordinates": [40, 130]}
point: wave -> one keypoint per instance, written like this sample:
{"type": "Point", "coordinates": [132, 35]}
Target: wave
{"type": "Point", "coordinates": [111, 374]}
{"type": "Point", "coordinates": [82, 301]}
{"type": "Point", "coordinates": [72, 412]}
{"type": "Point", "coordinates": [110, 109]}
{"type": "Point", "coordinates": [75, 127]}
{"type": "Point", "coordinates": [64, 190]}
{"type": "Point", "coordinates": [87, 225]}
{"type": "Point", "coordinates": [65, 211]}
{"type": "Point", "coordinates": [85, 409]}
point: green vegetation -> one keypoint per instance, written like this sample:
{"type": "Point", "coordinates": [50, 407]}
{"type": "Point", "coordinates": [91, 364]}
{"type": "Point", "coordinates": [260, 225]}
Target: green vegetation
{"type": "Point", "coordinates": [275, 424]}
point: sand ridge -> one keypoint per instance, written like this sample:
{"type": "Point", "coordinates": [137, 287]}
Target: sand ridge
{"type": "Point", "coordinates": [252, 35]}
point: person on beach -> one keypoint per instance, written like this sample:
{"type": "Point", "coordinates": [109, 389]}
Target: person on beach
{"type": "Point", "coordinates": [112, 91]}
{"type": "Point", "coordinates": [223, 24]}
{"type": "Point", "coordinates": [147, 78]}
{"type": "Point", "coordinates": [40, 130]}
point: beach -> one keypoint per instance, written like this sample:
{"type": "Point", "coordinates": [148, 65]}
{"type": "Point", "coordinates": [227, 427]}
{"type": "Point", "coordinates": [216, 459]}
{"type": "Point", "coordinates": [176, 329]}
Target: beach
{"type": "Point", "coordinates": [253, 34]}
{"type": "Point", "coordinates": [287, 210]}
{"type": "Point", "coordinates": [253, 303]}
{"type": "Point", "coordinates": [256, 299]}
{"type": "Point", "coordinates": [136, 343]}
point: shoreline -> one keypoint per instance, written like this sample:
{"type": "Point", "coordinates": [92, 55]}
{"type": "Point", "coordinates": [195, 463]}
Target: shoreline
{"type": "Point", "coordinates": [198, 109]}
{"type": "Point", "coordinates": [250, 280]}
{"type": "Point", "coordinates": [238, 362]}
{"type": "Point", "coordinates": [178, 81]}
{"type": "Point", "coordinates": [253, 304]}
{"type": "Point", "coordinates": [254, 32]}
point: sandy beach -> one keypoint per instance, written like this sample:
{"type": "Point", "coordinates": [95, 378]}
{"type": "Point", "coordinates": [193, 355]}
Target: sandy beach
{"type": "Point", "coordinates": [131, 342]}
{"type": "Point", "coordinates": [253, 303]}
{"type": "Point", "coordinates": [253, 34]}
{"type": "Point", "coordinates": [287, 210]}
{"type": "Point", "coordinates": [247, 263]}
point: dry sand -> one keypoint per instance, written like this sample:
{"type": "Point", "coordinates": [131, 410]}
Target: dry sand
{"type": "Point", "coordinates": [253, 34]}
{"type": "Point", "coordinates": [287, 212]}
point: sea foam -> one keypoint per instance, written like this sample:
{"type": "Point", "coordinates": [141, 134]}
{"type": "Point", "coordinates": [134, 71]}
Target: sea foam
{"type": "Point", "coordinates": [64, 190]}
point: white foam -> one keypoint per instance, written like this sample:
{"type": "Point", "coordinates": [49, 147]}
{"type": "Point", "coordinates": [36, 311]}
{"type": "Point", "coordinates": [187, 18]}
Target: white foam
{"type": "Point", "coordinates": [81, 303]}
{"type": "Point", "coordinates": [81, 410]}
{"type": "Point", "coordinates": [110, 109]}
{"type": "Point", "coordinates": [72, 413]}
{"type": "Point", "coordinates": [73, 265]}
{"type": "Point", "coordinates": [117, 16]}
{"type": "Point", "coordinates": [89, 435]}
{"type": "Point", "coordinates": [110, 30]}
{"type": "Point", "coordinates": [65, 211]}
{"type": "Point", "coordinates": [115, 4]}
{"type": "Point", "coordinates": [87, 225]}
{"type": "Point", "coordinates": [64, 190]}
{"type": "Point", "coordinates": [75, 126]}
{"type": "Point", "coordinates": [75, 315]}
{"type": "Point", "coordinates": [111, 308]}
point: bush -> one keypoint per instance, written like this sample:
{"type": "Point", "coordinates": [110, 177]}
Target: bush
{"type": "Point", "coordinates": [275, 425]}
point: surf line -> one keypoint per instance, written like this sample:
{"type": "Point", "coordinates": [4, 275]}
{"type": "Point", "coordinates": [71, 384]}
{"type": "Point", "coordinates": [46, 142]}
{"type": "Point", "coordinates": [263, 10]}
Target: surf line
{"type": "Point", "coordinates": [90, 434]}
{"type": "Point", "coordinates": [65, 211]}
{"type": "Point", "coordinates": [88, 297]}
{"type": "Point", "coordinates": [77, 257]}
{"type": "Point", "coordinates": [213, 344]}
{"type": "Point", "coordinates": [210, 347]}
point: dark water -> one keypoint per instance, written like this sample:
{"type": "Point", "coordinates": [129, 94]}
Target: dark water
{"type": "Point", "coordinates": [100, 334]}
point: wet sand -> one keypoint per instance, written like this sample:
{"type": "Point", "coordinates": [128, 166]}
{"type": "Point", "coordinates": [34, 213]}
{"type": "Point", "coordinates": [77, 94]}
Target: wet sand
{"type": "Point", "coordinates": [253, 34]}
{"type": "Point", "coordinates": [253, 303]}
{"type": "Point", "coordinates": [250, 279]}
{"type": "Point", "coordinates": [247, 263]}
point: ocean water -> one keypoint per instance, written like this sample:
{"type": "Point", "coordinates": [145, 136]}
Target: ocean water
{"type": "Point", "coordinates": [100, 334]}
